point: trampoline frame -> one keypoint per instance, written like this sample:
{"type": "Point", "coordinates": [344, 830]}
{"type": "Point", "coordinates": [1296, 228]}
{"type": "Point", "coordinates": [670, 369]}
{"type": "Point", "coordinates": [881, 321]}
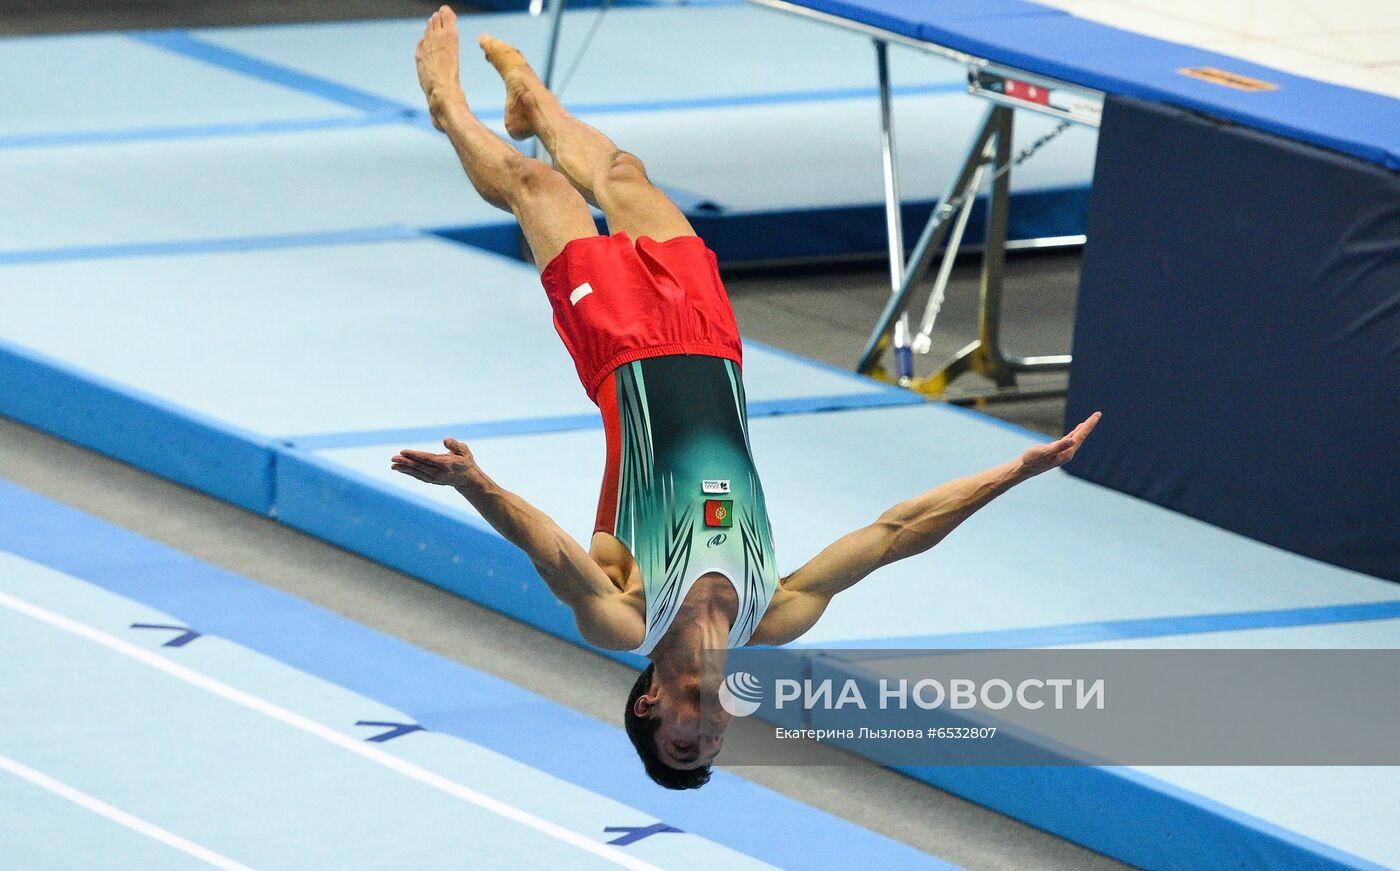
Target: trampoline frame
{"type": "Point", "coordinates": [988, 153]}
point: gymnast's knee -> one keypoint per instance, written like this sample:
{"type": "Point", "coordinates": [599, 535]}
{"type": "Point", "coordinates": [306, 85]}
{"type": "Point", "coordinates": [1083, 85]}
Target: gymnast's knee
{"type": "Point", "coordinates": [529, 177]}
{"type": "Point", "coordinates": [622, 171]}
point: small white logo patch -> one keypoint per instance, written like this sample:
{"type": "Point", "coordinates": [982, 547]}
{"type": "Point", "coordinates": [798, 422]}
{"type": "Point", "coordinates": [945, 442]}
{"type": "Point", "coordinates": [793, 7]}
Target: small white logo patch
{"type": "Point", "coordinates": [580, 292]}
{"type": "Point", "coordinates": [714, 486]}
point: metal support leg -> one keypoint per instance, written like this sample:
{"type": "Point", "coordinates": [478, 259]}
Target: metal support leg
{"type": "Point", "coordinates": [984, 356]}
{"type": "Point", "coordinates": [929, 242]}
{"type": "Point", "coordinates": [894, 221]}
{"type": "Point", "coordinates": [894, 224]}
{"type": "Point", "coordinates": [923, 342]}
{"type": "Point", "coordinates": [556, 25]}
{"type": "Point", "coordinates": [551, 52]}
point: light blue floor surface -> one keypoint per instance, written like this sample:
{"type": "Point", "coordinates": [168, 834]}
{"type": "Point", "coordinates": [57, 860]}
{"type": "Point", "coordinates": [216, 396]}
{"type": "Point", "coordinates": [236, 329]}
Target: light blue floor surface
{"type": "Point", "coordinates": [306, 129]}
{"type": "Point", "coordinates": [201, 718]}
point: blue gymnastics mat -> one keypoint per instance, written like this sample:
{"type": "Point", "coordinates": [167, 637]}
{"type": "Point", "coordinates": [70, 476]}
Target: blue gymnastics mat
{"type": "Point", "coordinates": [343, 104]}
{"type": "Point", "coordinates": [1057, 562]}
{"type": "Point", "coordinates": [274, 734]}
{"type": "Point", "coordinates": [1324, 309]}
{"type": "Point", "coordinates": [63, 88]}
{"type": "Point", "coordinates": [276, 379]}
{"type": "Point", "coordinates": [87, 200]}
{"type": "Point", "coordinates": [198, 365]}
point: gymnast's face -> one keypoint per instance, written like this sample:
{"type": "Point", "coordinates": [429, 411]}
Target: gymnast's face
{"type": "Point", "coordinates": [691, 729]}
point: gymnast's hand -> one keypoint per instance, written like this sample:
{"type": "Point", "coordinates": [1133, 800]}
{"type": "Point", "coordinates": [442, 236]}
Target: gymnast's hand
{"type": "Point", "coordinates": [456, 468]}
{"type": "Point", "coordinates": [1043, 458]}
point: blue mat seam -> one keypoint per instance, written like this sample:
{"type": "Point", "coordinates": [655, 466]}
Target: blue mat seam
{"type": "Point", "coordinates": [578, 422]}
{"type": "Point", "coordinates": [197, 131]}
{"type": "Point", "coordinates": [384, 233]}
{"type": "Point", "coordinates": [183, 43]}
{"type": "Point", "coordinates": [1114, 630]}
{"type": "Point", "coordinates": [418, 118]}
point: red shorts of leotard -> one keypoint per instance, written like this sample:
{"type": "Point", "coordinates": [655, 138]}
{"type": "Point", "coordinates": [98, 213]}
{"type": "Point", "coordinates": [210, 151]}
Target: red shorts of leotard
{"type": "Point", "coordinates": [615, 302]}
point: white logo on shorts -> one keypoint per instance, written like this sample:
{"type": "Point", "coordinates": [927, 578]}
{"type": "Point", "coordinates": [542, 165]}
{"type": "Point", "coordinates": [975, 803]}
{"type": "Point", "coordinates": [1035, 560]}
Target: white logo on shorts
{"type": "Point", "coordinates": [580, 292]}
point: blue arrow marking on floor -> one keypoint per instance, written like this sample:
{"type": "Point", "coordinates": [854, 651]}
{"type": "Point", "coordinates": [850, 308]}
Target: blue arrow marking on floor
{"type": "Point", "coordinates": [636, 833]}
{"type": "Point", "coordinates": [185, 637]}
{"type": "Point", "coordinates": [395, 730]}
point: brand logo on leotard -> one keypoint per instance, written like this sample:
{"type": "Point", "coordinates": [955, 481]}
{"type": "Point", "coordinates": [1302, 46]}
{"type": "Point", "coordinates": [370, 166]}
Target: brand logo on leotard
{"type": "Point", "coordinates": [580, 292]}
{"type": "Point", "coordinates": [715, 540]}
{"type": "Point", "coordinates": [714, 486]}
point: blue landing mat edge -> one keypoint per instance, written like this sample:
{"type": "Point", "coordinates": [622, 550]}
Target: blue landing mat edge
{"type": "Point", "coordinates": [853, 230]}
{"type": "Point", "coordinates": [1128, 814]}
{"type": "Point", "coordinates": [137, 428]}
{"type": "Point", "coordinates": [824, 231]}
{"type": "Point", "coordinates": [884, 397]}
{"type": "Point", "coordinates": [385, 233]}
{"type": "Point", "coordinates": [1149, 627]}
{"type": "Point", "coordinates": [395, 114]}
{"type": "Point", "coordinates": [411, 534]}
{"type": "Point", "coordinates": [373, 664]}
{"type": "Point", "coordinates": [197, 131]}
{"type": "Point", "coordinates": [735, 237]}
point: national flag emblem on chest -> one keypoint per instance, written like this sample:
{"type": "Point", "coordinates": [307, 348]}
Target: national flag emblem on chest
{"type": "Point", "coordinates": [719, 512]}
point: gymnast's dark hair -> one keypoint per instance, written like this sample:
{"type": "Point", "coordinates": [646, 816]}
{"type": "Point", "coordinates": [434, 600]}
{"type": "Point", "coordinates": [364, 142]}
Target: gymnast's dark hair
{"type": "Point", "coordinates": [642, 731]}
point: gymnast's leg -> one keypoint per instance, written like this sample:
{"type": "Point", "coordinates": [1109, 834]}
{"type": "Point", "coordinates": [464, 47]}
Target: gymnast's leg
{"type": "Point", "coordinates": [608, 177]}
{"type": "Point", "coordinates": [550, 211]}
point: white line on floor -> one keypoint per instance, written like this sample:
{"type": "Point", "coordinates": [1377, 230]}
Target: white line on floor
{"type": "Point", "coordinates": [311, 727]}
{"type": "Point", "coordinates": [117, 815]}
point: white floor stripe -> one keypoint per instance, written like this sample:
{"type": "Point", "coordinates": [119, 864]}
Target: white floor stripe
{"type": "Point", "coordinates": [117, 815]}
{"type": "Point", "coordinates": [311, 727]}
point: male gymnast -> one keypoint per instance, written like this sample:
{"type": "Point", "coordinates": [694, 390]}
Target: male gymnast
{"type": "Point", "coordinates": [681, 558]}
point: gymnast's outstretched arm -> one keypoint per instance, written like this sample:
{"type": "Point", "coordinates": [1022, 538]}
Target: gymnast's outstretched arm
{"type": "Point", "coordinates": [909, 528]}
{"type": "Point", "coordinates": [602, 614]}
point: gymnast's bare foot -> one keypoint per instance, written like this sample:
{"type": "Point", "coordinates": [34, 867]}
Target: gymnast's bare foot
{"type": "Point", "coordinates": [523, 88]}
{"type": "Point", "coordinates": [438, 72]}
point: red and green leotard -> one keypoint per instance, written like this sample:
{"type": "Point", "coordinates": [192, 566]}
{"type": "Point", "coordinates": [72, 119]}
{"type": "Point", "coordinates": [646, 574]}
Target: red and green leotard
{"type": "Point", "coordinates": [681, 490]}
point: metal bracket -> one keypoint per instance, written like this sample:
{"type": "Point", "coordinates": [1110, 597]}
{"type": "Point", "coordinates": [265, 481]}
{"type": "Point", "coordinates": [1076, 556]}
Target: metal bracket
{"type": "Point", "coordinates": [988, 154]}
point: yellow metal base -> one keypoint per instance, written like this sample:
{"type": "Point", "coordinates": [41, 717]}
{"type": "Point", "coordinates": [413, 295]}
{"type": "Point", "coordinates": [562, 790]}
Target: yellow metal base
{"type": "Point", "coordinates": [976, 359]}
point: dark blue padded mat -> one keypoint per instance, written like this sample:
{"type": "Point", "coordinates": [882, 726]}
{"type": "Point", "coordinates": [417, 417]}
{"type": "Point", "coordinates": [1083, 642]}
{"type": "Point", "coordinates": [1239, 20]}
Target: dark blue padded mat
{"type": "Point", "coordinates": [1116, 61]}
{"type": "Point", "coordinates": [1262, 398]}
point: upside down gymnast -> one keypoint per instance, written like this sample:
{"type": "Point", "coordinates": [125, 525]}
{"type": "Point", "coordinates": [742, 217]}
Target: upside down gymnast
{"type": "Point", "coordinates": [681, 558]}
